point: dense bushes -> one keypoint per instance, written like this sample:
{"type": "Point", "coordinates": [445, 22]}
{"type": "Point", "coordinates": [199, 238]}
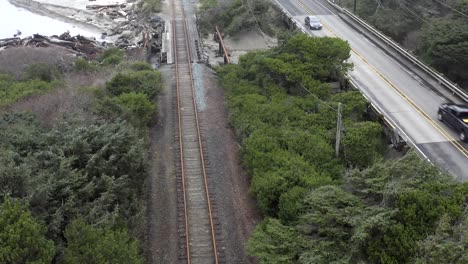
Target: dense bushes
{"type": "Point", "coordinates": [147, 82]}
{"type": "Point", "coordinates": [129, 96]}
{"type": "Point", "coordinates": [78, 185]}
{"type": "Point", "coordinates": [287, 133]}
{"type": "Point", "coordinates": [141, 66]}
{"type": "Point", "coordinates": [392, 212]}
{"type": "Point", "coordinates": [137, 107]}
{"type": "Point", "coordinates": [99, 245]}
{"type": "Point", "coordinates": [83, 65]}
{"type": "Point", "coordinates": [235, 16]}
{"type": "Point", "coordinates": [11, 91]}
{"type": "Point", "coordinates": [150, 6]}
{"type": "Point", "coordinates": [94, 171]}
{"type": "Point", "coordinates": [111, 56]}
{"type": "Point", "coordinates": [322, 209]}
{"type": "Point", "coordinates": [41, 71]}
{"type": "Point", "coordinates": [22, 239]}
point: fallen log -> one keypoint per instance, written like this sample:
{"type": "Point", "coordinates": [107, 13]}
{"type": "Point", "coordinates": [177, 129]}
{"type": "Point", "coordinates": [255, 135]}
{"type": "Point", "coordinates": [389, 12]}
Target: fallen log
{"type": "Point", "coordinates": [8, 39]}
{"type": "Point", "coordinates": [65, 43]}
{"type": "Point", "coordinates": [105, 6]}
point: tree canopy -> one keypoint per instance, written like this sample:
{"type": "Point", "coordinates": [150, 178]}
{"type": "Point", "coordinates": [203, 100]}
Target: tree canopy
{"type": "Point", "coordinates": [401, 211]}
{"type": "Point", "coordinates": [285, 115]}
{"type": "Point", "coordinates": [88, 165]}
{"type": "Point", "coordinates": [22, 238]}
{"type": "Point", "coordinates": [354, 208]}
{"type": "Point", "coordinates": [99, 245]}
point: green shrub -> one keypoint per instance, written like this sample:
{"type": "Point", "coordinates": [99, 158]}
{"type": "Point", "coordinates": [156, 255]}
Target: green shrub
{"type": "Point", "coordinates": [362, 144]}
{"type": "Point", "coordinates": [99, 245]}
{"type": "Point", "coordinates": [84, 65]}
{"type": "Point", "coordinates": [150, 6]}
{"type": "Point", "coordinates": [235, 16]}
{"type": "Point", "coordinates": [11, 91]}
{"type": "Point", "coordinates": [291, 203]}
{"type": "Point", "coordinates": [103, 162]}
{"type": "Point", "coordinates": [40, 71]}
{"type": "Point", "coordinates": [112, 60]}
{"type": "Point", "coordinates": [137, 106]}
{"type": "Point", "coordinates": [147, 82]}
{"type": "Point", "coordinates": [22, 238]}
{"type": "Point", "coordinates": [111, 56]}
{"type": "Point", "coordinates": [141, 66]}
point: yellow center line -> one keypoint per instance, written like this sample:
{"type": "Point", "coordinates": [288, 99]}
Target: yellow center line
{"type": "Point", "coordinates": [454, 142]}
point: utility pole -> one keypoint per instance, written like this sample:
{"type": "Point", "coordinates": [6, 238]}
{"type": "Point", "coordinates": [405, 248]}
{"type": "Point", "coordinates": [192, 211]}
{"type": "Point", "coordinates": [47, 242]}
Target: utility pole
{"type": "Point", "coordinates": [354, 7]}
{"type": "Point", "coordinates": [338, 131]}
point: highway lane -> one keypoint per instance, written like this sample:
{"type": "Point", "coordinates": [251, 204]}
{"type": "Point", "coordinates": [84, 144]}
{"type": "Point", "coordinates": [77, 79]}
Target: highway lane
{"type": "Point", "coordinates": [399, 94]}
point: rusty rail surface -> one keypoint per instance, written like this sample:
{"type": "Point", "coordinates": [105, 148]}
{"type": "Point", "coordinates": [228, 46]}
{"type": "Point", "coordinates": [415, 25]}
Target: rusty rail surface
{"type": "Point", "coordinates": [196, 227]}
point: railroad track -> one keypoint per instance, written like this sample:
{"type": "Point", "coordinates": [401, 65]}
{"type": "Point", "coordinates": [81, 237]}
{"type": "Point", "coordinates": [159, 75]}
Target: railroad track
{"type": "Point", "coordinates": [196, 227]}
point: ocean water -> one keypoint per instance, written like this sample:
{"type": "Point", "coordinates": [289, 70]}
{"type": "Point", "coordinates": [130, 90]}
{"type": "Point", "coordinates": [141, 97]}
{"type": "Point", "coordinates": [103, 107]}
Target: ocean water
{"type": "Point", "coordinates": [13, 18]}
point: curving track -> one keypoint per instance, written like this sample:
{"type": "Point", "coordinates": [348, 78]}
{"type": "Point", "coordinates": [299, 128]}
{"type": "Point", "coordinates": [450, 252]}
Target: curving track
{"type": "Point", "coordinates": [196, 228]}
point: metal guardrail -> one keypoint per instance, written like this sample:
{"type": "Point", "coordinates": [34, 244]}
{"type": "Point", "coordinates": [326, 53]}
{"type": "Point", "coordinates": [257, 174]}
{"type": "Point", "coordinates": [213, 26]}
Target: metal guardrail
{"type": "Point", "coordinates": [290, 16]}
{"type": "Point", "coordinates": [388, 120]}
{"type": "Point", "coordinates": [398, 131]}
{"type": "Point", "coordinates": [433, 73]}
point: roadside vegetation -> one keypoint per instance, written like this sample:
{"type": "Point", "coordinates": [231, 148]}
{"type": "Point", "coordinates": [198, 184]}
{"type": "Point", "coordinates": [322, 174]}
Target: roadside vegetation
{"type": "Point", "coordinates": [73, 161]}
{"type": "Point", "coordinates": [435, 31]}
{"type": "Point", "coordinates": [239, 15]}
{"type": "Point", "coordinates": [319, 208]}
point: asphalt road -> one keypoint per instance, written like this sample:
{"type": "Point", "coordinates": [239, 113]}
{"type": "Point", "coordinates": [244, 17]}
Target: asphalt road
{"type": "Point", "coordinates": [401, 95]}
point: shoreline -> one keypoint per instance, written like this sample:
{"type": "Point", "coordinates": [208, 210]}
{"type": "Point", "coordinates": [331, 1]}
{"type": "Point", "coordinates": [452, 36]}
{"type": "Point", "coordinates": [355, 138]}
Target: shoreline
{"type": "Point", "coordinates": [45, 9]}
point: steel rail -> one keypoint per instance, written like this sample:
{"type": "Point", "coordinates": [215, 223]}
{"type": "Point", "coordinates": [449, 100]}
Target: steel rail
{"type": "Point", "coordinates": [181, 147]}
{"type": "Point", "coordinates": [205, 178]}
{"type": "Point", "coordinates": [181, 137]}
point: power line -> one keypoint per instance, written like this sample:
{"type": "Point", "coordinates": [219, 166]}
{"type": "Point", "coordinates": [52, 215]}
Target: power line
{"type": "Point", "coordinates": [316, 97]}
{"type": "Point", "coordinates": [453, 9]}
{"type": "Point", "coordinates": [256, 21]}
{"type": "Point", "coordinates": [403, 4]}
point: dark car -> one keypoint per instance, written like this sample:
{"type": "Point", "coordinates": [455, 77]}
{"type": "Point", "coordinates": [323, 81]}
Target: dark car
{"type": "Point", "coordinates": [313, 22]}
{"type": "Point", "coordinates": [456, 116]}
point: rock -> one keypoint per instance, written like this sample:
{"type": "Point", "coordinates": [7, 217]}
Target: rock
{"type": "Point", "coordinates": [126, 34]}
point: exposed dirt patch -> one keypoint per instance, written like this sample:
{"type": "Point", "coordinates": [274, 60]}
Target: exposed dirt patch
{"type": "Point", "coordinates": [238, 45]}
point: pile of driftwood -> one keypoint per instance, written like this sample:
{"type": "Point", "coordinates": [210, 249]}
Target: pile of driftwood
{"type": "Point", "coordinates": [113, 11]}
{"type": "Point", "coordinates": [86, 46]}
